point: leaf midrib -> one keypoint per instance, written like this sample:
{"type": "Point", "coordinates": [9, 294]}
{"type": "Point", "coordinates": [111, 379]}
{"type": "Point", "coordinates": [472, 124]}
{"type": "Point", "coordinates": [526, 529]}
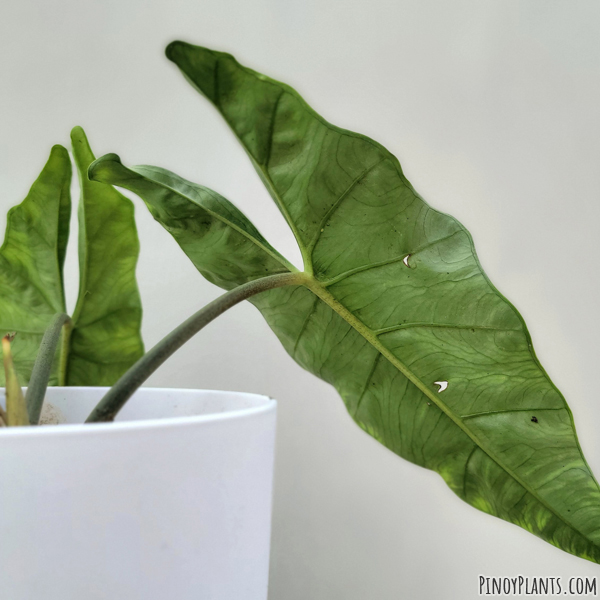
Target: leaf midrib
{"type": "Point", "coordinates": [367, 333]}
{"type": "Point", "coordinates": [263, 167]}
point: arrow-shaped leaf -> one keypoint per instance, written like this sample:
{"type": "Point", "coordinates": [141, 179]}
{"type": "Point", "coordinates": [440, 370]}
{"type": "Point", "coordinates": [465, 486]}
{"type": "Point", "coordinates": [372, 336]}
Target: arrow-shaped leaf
{"type": "Point", "coordinates": [31, 261]}
{"type": "Point", "coordinates": [106, 338]}
{"type": "Point", "coordinates": [396, 311]}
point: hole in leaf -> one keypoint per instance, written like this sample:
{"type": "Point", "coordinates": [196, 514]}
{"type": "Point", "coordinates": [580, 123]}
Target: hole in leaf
{"type": "Point", "coordinates": [443, 385]}
{"type": "Point", "coordinates": [405, 260]}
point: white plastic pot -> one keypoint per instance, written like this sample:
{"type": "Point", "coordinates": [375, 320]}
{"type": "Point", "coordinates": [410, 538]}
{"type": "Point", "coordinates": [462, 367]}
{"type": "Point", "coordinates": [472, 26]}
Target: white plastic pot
{"type": "Point", "coordinates": [171, 502]}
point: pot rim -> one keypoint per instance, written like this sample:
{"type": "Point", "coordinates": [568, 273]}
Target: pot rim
{"type": "Point", "coordinates": [265, 404]}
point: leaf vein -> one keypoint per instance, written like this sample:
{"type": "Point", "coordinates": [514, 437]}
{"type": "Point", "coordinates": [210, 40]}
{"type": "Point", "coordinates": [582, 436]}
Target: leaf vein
{"type": "Point", "coordinates": [333, 208]}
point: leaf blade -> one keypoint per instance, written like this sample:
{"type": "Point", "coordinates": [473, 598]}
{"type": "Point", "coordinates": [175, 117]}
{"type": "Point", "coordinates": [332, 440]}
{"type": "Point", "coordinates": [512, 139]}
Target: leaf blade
{"type": "Point", "coordinates": [32, 258]}
{"type": "Point", "coordinates": [106, 336]}
{"type": "Point", "coordinates": [406, 304]}
{"type": "Point", "coordinates": [202, 222]}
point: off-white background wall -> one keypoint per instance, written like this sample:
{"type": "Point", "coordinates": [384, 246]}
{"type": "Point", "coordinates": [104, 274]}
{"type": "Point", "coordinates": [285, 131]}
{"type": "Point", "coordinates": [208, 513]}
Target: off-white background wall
{"type": "Point", "coordinates": [492, 108]}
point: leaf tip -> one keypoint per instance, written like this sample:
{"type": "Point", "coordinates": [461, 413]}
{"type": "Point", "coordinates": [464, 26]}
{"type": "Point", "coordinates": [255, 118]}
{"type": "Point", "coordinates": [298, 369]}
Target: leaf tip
{"type": "Point", "coordinates": [82, 151]}
{"type": "Point", "coordinates": [198, 64]}
{"type": "Point", "coordinates": [99, 170]}
{"type": "Point", "coordinates": [173, 50]}
{"type": "Point", "coordinates": [59, 151]}
{"type": "Point", "coordinates": [7, 350]}
{"type": "Point", "coordinates": [6, 342]}
{"type": "Point", "coordinates": [77, 134]}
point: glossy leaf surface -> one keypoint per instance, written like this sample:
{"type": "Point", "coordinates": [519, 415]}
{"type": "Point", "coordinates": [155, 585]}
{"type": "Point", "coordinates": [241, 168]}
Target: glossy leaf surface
{"type": "Point", "coordinates": [396, 311]}
{"type": "Point", "coordinates": [218, 238]}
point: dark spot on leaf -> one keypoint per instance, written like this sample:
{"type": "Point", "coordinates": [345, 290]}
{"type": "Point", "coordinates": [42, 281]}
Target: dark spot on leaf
{"type": "Point", "coordinates": [534, 419]}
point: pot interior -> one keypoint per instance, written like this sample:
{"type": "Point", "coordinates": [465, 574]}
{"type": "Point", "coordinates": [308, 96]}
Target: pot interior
{"type": "Point", "coordinates": [74, 404]}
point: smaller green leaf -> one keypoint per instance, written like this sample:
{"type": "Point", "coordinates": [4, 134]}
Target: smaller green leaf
{"type": "Point", "coordinates": [219, 239]}
{"type": "Point", "coordinates": [105, 340]}
{"type": "Point", "coordinates": [16, 408]}
{"type": "Point", "coordinates": [31, 261]}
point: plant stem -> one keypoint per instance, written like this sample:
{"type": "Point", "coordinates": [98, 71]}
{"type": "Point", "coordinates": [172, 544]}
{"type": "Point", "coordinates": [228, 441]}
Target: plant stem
{"type": "Point", "coordinates": [16, 409]}
{"type": "Point", "coordinates": [36, 389]}
{"type": "Point", "coordinates": [64, 352]}
{"type": "Point", "coordinates": [117, 396]}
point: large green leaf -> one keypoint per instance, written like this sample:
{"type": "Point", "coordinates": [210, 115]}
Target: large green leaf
{"type": "Point", "coordinates": [31, 261]}
{"type": "Point", "coordinates": [105, 339]}
{"type": "Point", "coordinates": [394, 301]}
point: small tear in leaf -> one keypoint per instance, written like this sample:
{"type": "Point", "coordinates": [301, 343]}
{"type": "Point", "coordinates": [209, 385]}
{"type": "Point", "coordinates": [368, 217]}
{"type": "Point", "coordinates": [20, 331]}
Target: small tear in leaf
{"type": "Point", "coordinates": [405, 260]}
{"type": "Point", "coordinates": [443, 385]}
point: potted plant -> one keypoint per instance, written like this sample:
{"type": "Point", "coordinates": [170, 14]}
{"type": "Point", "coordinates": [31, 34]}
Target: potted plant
{"type": "Point", "coordinates": [172, 500]}
{"type": "Point", "coordinates": [392, 307]}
